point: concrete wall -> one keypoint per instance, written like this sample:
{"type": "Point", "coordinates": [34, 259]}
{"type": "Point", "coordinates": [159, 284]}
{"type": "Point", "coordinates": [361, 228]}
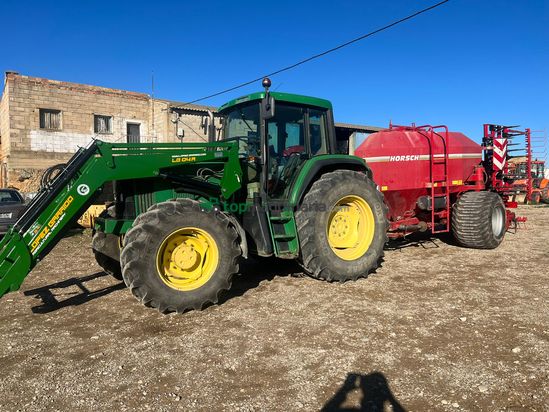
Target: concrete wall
{"type": "Point", "coordinates": [26, 149]}
{"type": "Point", "coordinates": [4, 134]}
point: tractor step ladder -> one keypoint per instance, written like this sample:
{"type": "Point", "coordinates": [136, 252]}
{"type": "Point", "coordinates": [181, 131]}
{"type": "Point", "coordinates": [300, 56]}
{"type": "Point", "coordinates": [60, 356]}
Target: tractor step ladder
{"type": "Point", "coordinates": [440, 183]}
{"type": "Point", "coordinates": [284, 231]}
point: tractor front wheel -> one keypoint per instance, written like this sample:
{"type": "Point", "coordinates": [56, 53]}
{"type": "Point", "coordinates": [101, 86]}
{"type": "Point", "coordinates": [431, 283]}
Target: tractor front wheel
{"type": "Point", "coordinates": [342, 227]}
{"type": "Point", "coordinates": [178, 257]}
{"type": "Point", "coordinates": [479, 220]}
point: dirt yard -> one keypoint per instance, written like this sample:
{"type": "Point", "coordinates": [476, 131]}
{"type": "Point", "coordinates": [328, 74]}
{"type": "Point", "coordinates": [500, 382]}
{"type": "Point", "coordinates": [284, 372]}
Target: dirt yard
{"type": "Point", "coordinates": [438, 327]}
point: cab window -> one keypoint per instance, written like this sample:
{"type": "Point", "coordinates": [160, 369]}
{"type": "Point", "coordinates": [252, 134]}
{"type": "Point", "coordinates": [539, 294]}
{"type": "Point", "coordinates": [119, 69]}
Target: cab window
{"type": "Point", "coordinates": [242, 125]}
{"type": "Point", "coordinates": [286, 131]}
{"type": "Point", "coordinates": [286, 145]}
{"type": "Point", "coordinates": [317, 132]}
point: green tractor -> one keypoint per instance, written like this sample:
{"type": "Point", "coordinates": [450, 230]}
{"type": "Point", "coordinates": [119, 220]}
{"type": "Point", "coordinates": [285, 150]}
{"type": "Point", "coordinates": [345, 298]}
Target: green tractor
{"type": "Point", "coordinates": [183, 215]}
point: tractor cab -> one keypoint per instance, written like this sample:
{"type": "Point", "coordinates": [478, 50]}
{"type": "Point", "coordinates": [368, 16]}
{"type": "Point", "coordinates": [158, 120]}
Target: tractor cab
{"type": "Point", "coordinates": [276, 134]}
{"type": "Point", "coordinates": [286, 143]}
{"type": "Point", "coordinates": [519, 172]}
{"type": "Point", "coordinates": [538, 169]}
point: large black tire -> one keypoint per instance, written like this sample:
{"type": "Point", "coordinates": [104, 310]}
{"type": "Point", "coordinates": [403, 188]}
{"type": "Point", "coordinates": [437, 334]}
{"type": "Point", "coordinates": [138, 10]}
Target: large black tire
{"type": "Point", "coordinates": [479, 220]}
{"type": "Point", "coordinates": [317, 257]}
{"type": "Point", "coordinates": [545, 194]}
{"type": "Point", "coordinates": [144, 240]}
{"type": "Point", "coordinates": [535, 198]}
{"type": "Point", "coordinates": [106, 249]}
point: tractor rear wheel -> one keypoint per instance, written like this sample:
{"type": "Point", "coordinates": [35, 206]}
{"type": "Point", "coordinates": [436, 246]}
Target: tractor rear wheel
{"type": "Point", "coordinates": [178, 256]}
{"type": "Point", "coordinates": [342, 227]}
{"type": "Point", "coordinates": [479, 220]}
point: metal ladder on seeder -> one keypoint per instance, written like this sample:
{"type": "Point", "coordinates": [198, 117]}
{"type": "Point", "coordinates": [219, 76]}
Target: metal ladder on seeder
{"type": "Point", "coordinates": [439, 177]}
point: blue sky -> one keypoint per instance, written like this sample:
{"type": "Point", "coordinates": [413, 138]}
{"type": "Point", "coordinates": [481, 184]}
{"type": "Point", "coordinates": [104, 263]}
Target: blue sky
{"type": "Point", "coordinates": [463, 64]}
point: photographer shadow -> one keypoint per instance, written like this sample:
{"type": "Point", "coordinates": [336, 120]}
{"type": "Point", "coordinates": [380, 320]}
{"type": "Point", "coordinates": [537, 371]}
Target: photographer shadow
{"type": "Point", "coordinates": [374, 392]}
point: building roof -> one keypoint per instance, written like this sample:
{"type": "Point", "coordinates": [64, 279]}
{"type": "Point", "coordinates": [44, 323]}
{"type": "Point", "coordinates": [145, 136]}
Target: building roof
{"type": "Point", "coordinates": [182, 106]}
{"type": "Point", "coordinates": [73, 86]}
{"type": "Point", "coordinates": [359, 128]}
{"type": "Point", "coordinates": [11, 75]}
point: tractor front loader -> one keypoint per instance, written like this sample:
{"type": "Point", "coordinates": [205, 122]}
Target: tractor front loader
{"type": "Point", "coordinates": [63, 200]}
{"type": "Point", "coordinates": [183, 215]}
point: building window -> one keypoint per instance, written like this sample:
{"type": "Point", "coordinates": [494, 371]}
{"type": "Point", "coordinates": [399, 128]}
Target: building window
{"type": "Point", "coordinates": [102, 124]}
{"type": "Point", "coordinates": [50, 119]}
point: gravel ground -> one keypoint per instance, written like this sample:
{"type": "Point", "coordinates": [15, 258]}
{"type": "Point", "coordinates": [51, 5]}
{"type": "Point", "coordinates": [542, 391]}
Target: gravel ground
{"type": "Point", "coordinates": [438, 327]}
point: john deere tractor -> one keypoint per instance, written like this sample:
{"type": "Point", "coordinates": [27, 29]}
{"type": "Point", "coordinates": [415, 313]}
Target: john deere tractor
{"type": "Point", "coordinates": [183, 215]}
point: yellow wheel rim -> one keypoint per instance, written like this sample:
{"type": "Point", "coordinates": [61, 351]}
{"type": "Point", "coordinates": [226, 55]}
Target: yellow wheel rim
{"type": "Point", "coordinates": [351, 227]}
{"type": "Point", "coordinates": [187, 258]}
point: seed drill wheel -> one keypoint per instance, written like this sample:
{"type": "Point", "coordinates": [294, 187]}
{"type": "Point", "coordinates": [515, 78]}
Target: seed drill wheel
{"type": "Point", "coordinates": [178, 257]}
{"type": "Point", "coordinates": [479, 220]}
{"type": "Point", "coordinates": [342, 227]}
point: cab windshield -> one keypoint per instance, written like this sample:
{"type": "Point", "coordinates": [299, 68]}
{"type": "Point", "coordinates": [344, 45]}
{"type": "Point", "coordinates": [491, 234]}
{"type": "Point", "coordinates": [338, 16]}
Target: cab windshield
{"type": "Point", "coordinates": [538, 170]}
{"type": "Point", "coordinates": [242, 124]}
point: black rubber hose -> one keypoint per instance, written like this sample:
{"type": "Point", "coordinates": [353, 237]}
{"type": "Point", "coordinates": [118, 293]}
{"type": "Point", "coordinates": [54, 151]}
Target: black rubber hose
{"type": "Point", "coordinates": [51, 173]}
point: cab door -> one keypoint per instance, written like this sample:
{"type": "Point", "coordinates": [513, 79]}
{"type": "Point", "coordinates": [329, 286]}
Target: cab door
{"type": "Point", "coordinates": [294, 135]}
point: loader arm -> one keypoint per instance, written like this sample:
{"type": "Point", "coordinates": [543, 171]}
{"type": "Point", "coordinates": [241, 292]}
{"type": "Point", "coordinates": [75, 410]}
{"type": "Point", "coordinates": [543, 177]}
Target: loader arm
{"type": "Point", "coordinates": [65, 198]}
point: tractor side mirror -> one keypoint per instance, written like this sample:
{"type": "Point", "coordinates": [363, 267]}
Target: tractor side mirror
{"type": "Point", "coordinates": [268, 107]}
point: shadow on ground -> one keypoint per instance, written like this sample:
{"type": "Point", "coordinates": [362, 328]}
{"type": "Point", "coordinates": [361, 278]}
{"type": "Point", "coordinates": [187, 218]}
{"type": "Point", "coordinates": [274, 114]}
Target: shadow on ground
{"type": "Point", "coordinates": [427, 240]}
{"type": "Point", "coordinates": [424, 240]}
{"type": "Point", "coordinates": [75, 287]}
{"type": "Point", "coordinates": [373, 392]}
{"type": "Point", "coordinates": [256, 270]}
{"type": "Point", "coordinates": [78, 290]}
{"type": "Point", "coordinates": [253, 272]}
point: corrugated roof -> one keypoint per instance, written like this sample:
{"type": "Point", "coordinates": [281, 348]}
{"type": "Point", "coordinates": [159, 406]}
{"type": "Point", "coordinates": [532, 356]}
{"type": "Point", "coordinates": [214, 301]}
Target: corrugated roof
{"type": "Point", "coordinates": [184, 106]}
{"type": "Point", "coordinates": [359, 127]}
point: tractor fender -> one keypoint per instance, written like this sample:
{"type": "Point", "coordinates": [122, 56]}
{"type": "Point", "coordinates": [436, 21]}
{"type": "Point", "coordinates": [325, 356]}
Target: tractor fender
{"type": "Point", "coordinates": [319, 165]}
{"type": "Point", "coordinates": [241, 234]}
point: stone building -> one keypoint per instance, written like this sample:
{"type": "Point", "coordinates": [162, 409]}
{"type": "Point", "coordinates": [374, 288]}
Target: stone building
{"type": "Point", "coordinates": [43, 122]}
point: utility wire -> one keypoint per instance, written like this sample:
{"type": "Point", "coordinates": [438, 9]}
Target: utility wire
{"type": "Point", "coordinates": [324, 53]}
{"type": "Point", "coordinates": [192, 130]}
